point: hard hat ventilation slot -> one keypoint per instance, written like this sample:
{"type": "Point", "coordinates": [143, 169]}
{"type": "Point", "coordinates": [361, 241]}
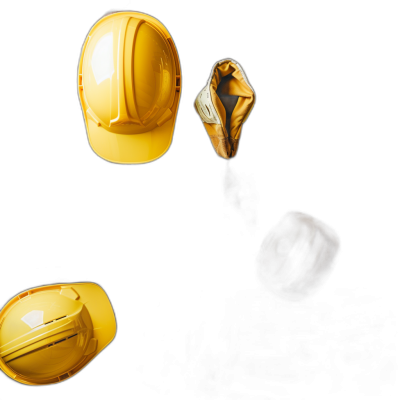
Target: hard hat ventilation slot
{"type": "Point", "coordinates": [44, 347]}
{"type": "Point", "coordinates": [61, 340]}
{"type": "Point", "coordinates": [22, 295]}
{"type": "Point", "coordinates": [64, 376]}
{"type": "Point", "coordinates": [178, 83]}
{"type": "Point", "coordinates": [54, 320]}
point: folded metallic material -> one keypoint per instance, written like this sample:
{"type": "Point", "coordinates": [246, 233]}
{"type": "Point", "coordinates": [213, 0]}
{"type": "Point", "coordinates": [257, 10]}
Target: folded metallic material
{"type": "Point", "coordinates": [224, 105]}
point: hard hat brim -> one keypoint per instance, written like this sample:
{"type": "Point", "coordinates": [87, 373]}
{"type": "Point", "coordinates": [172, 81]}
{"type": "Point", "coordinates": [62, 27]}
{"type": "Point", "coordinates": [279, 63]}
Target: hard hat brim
{"type": "Point", "coordinates": [130, 149]}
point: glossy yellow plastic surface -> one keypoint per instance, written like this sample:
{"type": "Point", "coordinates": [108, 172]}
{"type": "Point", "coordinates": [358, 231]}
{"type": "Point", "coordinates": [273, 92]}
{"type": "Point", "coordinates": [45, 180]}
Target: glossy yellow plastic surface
{"type": "Point", "coordinates": [49, 333]}
{"type": "Point", "coordinates": [129, 87]}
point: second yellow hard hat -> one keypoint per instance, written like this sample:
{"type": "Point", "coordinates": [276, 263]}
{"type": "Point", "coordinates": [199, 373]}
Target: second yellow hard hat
{"type": "Point", "coordinates": [49, 333]}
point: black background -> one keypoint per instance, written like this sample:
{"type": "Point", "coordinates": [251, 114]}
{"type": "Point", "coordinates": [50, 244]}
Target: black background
{"type": "Point", "coordinates": [160, 229]}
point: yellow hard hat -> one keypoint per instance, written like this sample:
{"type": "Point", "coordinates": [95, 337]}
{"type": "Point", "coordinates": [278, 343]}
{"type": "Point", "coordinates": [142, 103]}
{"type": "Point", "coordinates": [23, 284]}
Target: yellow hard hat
{"type": "Point", "coordinates": [49, 333]}
{"type": "Point", "coordinates": [297, 255]}
{"type": "Point", "coordinates": [129, 85]}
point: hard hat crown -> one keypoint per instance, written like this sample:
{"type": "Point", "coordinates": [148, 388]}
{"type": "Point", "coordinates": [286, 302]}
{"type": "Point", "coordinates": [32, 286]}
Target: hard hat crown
{"type": "Point", "coordinates": [128, 75]}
